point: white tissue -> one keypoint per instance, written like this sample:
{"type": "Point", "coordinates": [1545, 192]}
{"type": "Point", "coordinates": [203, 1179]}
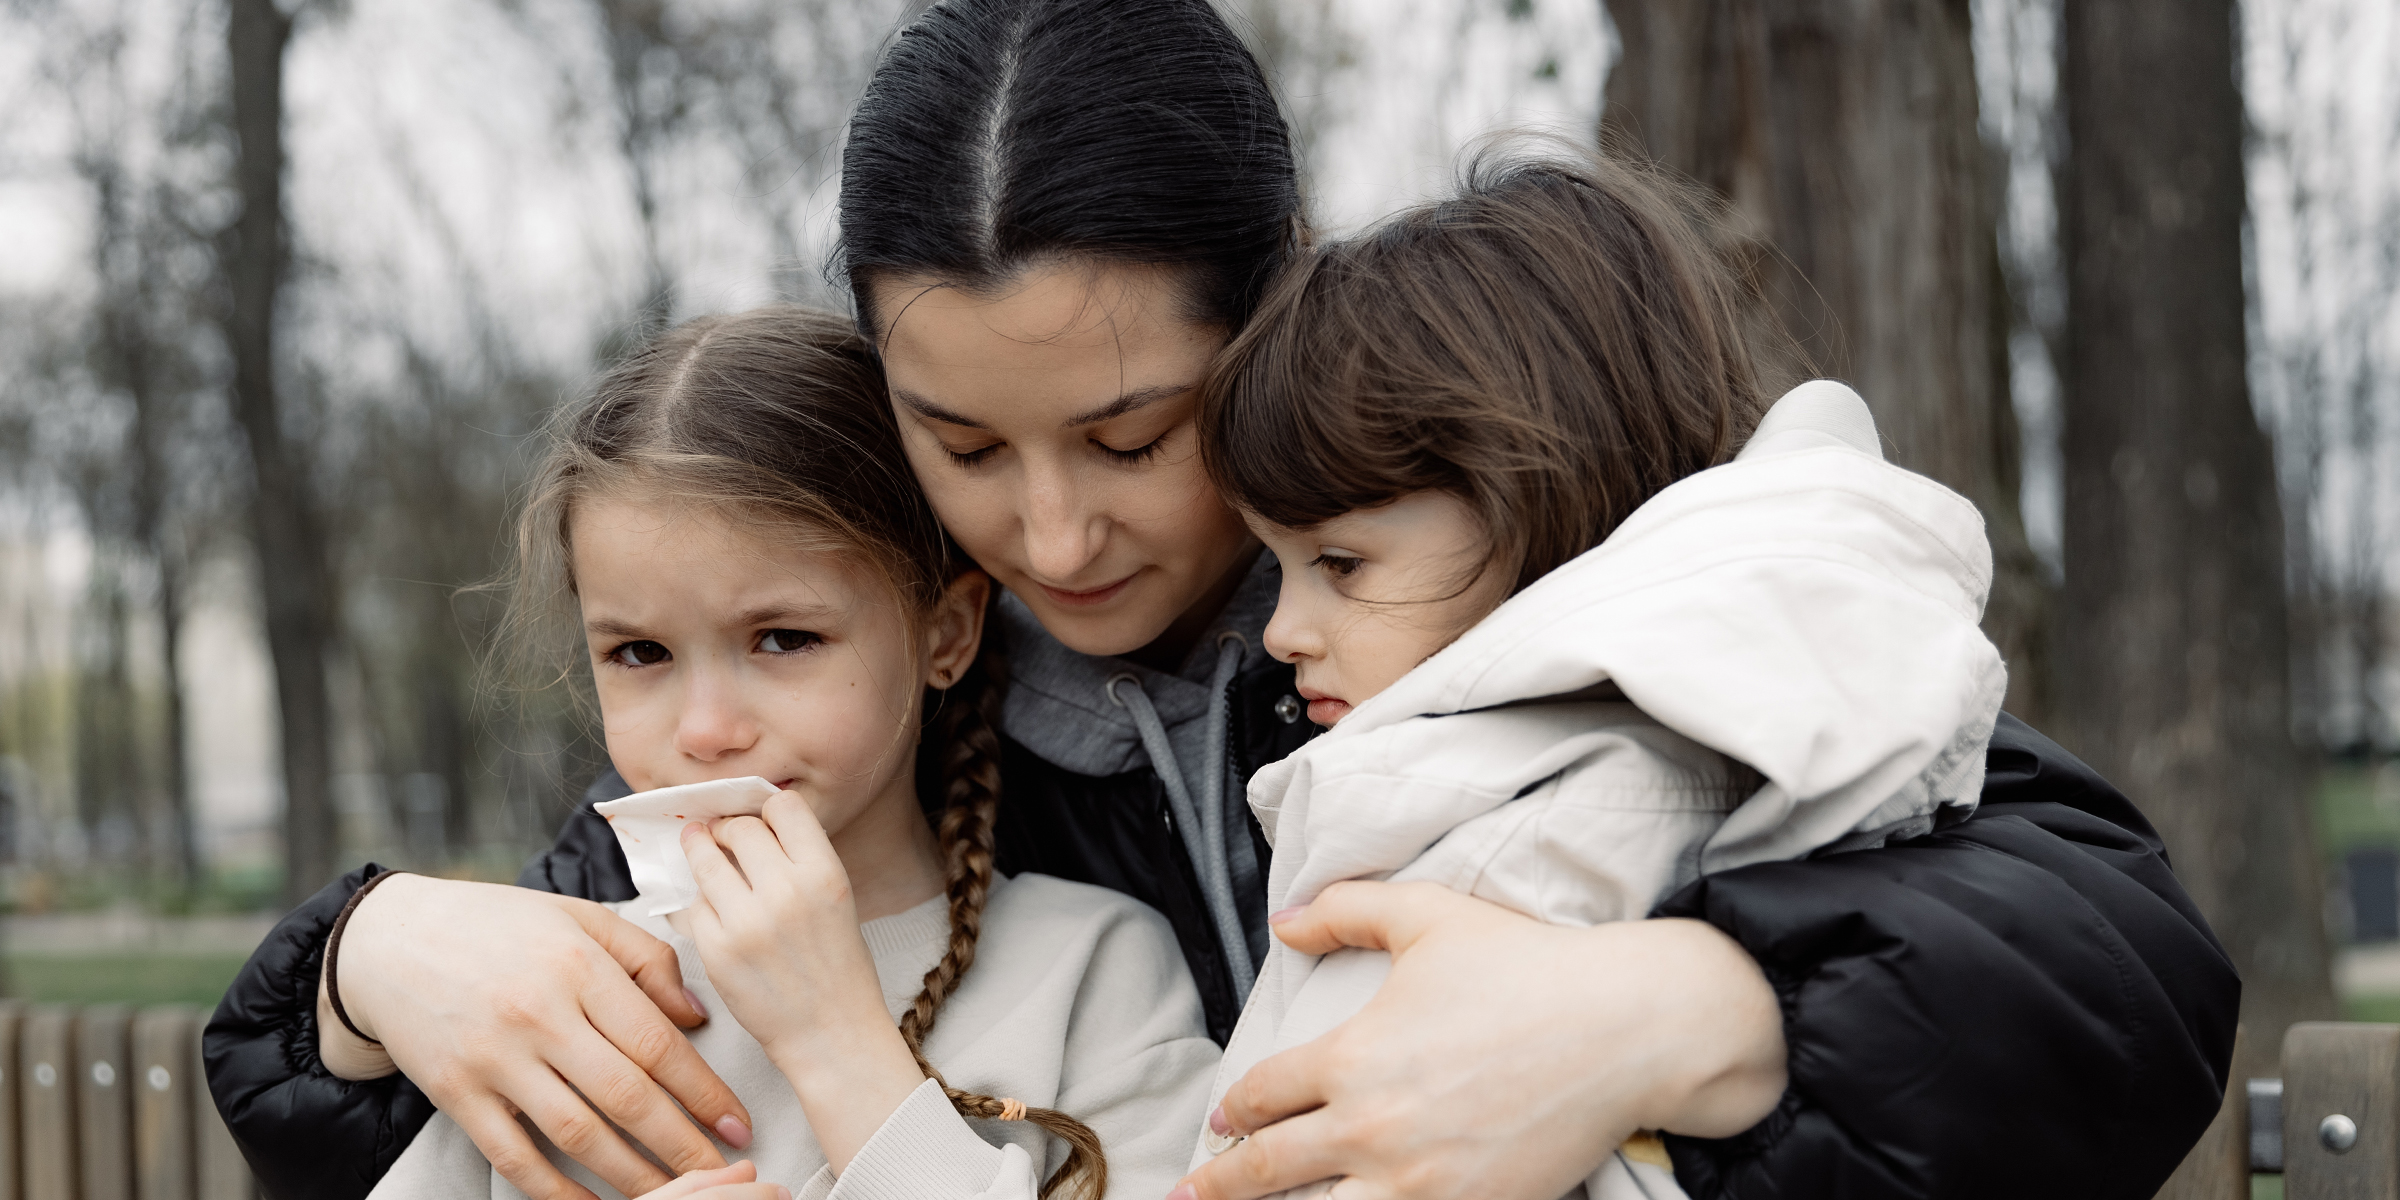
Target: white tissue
{"type": "Point", "coordinates": [649, 825]}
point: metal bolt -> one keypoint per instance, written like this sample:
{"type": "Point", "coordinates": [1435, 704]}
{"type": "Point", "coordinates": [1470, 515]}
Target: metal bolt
{"type": "Point", "coordinates": [2339, 1133]}
{"type": "Point", "coordinates": [1288, 708]}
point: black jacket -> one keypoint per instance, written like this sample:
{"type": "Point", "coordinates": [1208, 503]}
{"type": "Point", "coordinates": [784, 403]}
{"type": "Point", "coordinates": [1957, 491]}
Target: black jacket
{"type": "Point", "coordinates": [2025, 1003]}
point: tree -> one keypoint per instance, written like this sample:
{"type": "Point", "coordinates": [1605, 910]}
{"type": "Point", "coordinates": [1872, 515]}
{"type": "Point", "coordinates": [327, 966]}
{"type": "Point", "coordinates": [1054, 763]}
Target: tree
{"type": "Point", "coordinates": [1844, 140]}
{"type": "Point", "coordinates": [2174, 665]}
{"type": "Point", "coordinates": [293, 579]}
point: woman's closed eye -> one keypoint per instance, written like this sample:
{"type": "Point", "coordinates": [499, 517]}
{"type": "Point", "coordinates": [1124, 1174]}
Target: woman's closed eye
{"type": "Point", "coordinates": [1138, 454]}
{"type": "Point", "coordinates": [639, 653]}
{"type": "Point", "coordinates": [788, 641]}
{"type": "Point", "coordinates": [975, 457]}
{"type": "Point", "coordinates": [1337, 563]}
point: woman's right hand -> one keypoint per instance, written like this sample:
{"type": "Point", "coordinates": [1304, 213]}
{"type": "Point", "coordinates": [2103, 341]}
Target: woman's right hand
{"type": "Point", "coordinates": [499, 1000]}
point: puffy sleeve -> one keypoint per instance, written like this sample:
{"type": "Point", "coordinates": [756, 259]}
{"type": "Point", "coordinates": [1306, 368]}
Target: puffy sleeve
{"type": "Point", "coordinates": [2025, 1003]}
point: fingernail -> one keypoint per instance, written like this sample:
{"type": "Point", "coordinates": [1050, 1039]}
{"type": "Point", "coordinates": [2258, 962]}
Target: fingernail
{"type": "Point", "coordinates": [1279, 916]}
{"type": "Point", "coordinates": [1183, 1191]}
{"type": "Point", "coordinates": [733, 1132]}
{"type": "Point", "coordinates": [693, 998]}
{"type": "Point", "coordinates": [1217, 1123]}
{"type": "Point", "coordinates": [782, 1192]}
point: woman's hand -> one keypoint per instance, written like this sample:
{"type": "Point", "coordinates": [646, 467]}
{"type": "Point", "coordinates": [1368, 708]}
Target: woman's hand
{"type": "Point", "coordinates": [499, 1000]}
{"type": "Point", "coordinates": [778, 931]}
{"type": "Point", "coordinates": [1503, 1057]}
{"type": "Point", "coordinates": [737, 1182]}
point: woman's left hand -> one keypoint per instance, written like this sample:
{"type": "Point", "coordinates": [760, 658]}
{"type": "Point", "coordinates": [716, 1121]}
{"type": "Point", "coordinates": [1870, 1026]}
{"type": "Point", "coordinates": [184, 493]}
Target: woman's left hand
{"type": "Point", "coordinates": [1503, 1057]}
{"type": "Point", "coordinates": [778, 931]}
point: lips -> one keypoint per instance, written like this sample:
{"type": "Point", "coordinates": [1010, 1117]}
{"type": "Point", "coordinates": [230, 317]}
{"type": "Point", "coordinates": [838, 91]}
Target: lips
{"type": "Point", "coordinates": [1324, 710]}
{"type": "Point", "coordinates": [1097, 596]}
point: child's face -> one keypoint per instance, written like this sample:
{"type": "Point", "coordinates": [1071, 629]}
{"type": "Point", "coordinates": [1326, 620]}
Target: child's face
{"type": "Point", "coordinates": [1370, 594]}
{"type": "Point", "coordinates": [718, 654]}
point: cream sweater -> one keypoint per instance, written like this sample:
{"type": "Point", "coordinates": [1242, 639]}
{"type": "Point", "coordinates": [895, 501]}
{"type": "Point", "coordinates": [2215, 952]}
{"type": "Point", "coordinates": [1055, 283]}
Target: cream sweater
{"type": "Point", "coordinates": [1078, 1001]}
{"type": "Point", "coordinates": [1773, 658]}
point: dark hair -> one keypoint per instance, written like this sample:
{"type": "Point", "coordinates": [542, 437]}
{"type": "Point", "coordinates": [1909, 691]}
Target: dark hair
{"type": "Point", "coordinates": [776, 418]}
{"type": "Point", "coordinates": [1553, 346]}
{"type": "Point", "coordinates": [997, 134]}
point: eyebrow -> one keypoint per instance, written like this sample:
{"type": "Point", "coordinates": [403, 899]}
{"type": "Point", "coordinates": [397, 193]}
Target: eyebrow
{"type": "Point", "coordinates": [1138, 398]}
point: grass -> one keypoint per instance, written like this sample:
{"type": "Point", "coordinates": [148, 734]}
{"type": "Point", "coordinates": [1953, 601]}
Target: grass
{"type": "Point", "coordinates": [120, 978]}
{"type": "Point", "coordinates": [2350, 812]}
{"type": "Point", "coordinates": [2266, 1187]}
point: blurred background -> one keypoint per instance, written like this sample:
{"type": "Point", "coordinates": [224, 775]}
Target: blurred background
{"type": "Point", "coordinates": [286, 283]}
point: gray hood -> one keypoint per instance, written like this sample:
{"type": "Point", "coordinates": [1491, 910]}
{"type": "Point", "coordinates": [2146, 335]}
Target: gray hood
{"type": "Point", "coordinates": [1058, 705]}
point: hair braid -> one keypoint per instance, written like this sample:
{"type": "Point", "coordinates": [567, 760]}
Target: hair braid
{"type": "Point", "coordinates": [970, 746]}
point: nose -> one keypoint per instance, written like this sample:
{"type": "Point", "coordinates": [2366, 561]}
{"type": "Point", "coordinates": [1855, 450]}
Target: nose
{"type": "Point", "coordinates": [1063, 532]}
{"type": "Point", "coordinates": [1290, 636]}
{"type": "Point", "coordinates": [714, 722]}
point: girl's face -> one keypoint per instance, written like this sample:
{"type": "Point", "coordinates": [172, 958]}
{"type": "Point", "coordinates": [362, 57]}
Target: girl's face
{"type": "Point", "coordinates": [719, 654]}
{"type": "Point", "coordinates": [1370, 594]}
{"type": "Point", "coordinates": [1053, 426]}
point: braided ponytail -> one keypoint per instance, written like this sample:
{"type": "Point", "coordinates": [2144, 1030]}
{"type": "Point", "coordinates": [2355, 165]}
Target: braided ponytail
{"type": "Point", "coordinates": [967, 724]}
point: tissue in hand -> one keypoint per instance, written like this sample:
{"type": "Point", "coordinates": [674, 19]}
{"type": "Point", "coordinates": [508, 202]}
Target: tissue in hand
{"type": "Point", "coordinates": [649, 825]}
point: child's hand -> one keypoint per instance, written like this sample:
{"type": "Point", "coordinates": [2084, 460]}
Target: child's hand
{"type": "Point", "coordinates": [737, 1182]}
{"type": "Point", "coordinates": [779, 937]}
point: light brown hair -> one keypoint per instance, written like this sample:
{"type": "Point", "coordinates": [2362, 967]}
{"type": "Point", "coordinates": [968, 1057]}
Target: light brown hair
{"type": "Point", "coordinates": [777, 420]}
{"type": "Point", "coordinates": [1554, 345]}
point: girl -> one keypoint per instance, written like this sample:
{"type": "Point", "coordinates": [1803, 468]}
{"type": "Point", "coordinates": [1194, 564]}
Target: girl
{"type": "Point", "coordinates": [1054, 212]}
{"type": "Point", "coordinates": [1483, 442]}
{"type": "Point", "coordinates": [763, 592]}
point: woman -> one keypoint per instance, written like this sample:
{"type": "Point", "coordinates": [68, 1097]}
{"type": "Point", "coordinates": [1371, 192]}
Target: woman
{"type": "Point", "coordinates": [1054, 212]}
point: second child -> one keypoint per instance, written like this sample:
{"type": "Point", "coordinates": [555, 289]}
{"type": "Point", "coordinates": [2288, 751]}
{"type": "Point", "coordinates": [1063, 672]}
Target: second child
{"type": "Point", "coordinates": [1583, 625]}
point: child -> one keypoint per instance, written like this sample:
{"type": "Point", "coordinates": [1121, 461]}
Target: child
{"type": "Point", "coordinates": [764, 592]}
{"type": "Point", "coordinates": [1573, 650]}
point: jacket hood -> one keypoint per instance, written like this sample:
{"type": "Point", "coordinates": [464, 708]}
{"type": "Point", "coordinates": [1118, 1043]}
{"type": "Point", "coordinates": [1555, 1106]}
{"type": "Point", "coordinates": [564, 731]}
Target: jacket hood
{"type": "Point", "coordinates": [1808, 610]}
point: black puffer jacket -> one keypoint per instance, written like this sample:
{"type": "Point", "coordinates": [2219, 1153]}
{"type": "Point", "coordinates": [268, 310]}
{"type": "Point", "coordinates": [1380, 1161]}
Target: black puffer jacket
{"type": "Point", "coordinates": [2023, 1004]}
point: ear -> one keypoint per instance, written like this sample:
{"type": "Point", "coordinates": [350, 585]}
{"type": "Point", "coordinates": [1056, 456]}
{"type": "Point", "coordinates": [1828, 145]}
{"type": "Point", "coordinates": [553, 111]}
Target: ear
{"type": "Point", "coordinates": [956, 631]}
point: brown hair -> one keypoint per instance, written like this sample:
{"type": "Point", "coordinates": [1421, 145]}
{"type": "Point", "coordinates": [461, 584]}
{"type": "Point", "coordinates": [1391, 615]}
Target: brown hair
{"type": "Point", "coordinates": [777, 419]}
{"type": "Point", "coordinates": [1553, 346]}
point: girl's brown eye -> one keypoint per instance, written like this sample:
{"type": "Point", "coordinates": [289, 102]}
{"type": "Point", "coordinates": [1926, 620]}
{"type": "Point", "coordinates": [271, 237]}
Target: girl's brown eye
{"type": "Point", "coordinates": [1336, 565]}
{"type": "Point", "coordinates": [640, 654]}
{"type": "Point", "coordinates": [787, 641]}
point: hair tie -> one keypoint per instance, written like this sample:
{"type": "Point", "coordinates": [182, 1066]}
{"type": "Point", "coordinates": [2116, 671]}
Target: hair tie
{"type": "Point", "coordinates": [1012, 1109]}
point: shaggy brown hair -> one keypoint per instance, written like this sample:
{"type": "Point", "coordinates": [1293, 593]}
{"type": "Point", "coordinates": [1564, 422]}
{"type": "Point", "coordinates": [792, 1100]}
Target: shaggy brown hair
{"type": "Point", "coordinates": [1553, 346]}
{"type": "Point", "coordinates": [777, 419]}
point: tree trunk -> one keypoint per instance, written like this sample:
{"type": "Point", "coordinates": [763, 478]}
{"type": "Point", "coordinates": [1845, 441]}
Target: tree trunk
{"type": "Point", "coordinates": [294, 582]}
{"type": "Point", "coordinates": [1844, 138]}
{"type": "Point", "coordinates": [2174, 668]}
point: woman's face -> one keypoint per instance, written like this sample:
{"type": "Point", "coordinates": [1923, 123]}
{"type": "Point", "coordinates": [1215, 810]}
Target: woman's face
{"type": "Point", "coordinates": [1053, 425]}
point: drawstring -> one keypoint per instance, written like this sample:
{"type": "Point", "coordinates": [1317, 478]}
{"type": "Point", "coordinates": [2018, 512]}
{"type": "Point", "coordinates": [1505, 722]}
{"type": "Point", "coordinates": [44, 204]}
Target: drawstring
{"type": "Point", "coordinates": [1202, 825]}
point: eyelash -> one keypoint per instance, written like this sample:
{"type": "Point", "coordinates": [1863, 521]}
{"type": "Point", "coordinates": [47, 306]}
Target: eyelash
{"type": "Point", "coordinates": [616, 655]}
{"type": "Point", "coordinates": [808, 641]}
{"type": "Point", "coordinates": [1337, 565]}
{"type": "Point", "coordinates": [1135, 456]}
{"type": "Point", "coordinates": [1139, 454]}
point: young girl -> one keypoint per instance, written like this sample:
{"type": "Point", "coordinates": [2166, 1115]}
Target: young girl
{"type": "Point", "coordinates": [764, 592]}
{"type": "Point", "coordinates": [1569, 661]}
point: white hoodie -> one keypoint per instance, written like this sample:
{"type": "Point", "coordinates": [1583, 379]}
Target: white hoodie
{"type": "Point", "coordinates": [1771, 658]}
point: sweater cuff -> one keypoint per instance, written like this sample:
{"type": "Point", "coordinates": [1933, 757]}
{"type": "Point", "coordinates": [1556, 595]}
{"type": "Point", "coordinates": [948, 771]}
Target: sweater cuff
{"type": "Point", "coordinates": [926, 1151]}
